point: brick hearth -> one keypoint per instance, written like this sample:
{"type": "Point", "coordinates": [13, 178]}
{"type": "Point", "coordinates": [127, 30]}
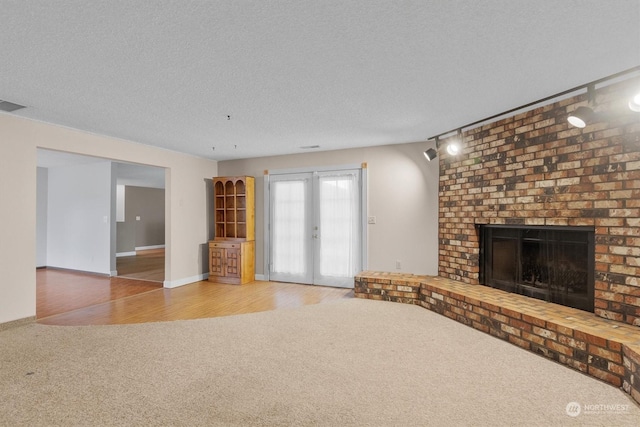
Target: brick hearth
{"type": "Point", "coordinates": [602, 348]}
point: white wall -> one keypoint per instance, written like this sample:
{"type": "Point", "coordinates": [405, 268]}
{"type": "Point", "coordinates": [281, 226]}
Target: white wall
{"type": "Point", "coordinates": [402, 195]}
{"type": "Point", "coordinates": [41, 217]}
{"type": "Point", "coordinates": [79, 217]}
{"type": "Point", "coordinates": [186, 209]}
{"type": "Point", "coordinates": [113, 227]}
{"type": "Point", "coordinates": [120, 190]}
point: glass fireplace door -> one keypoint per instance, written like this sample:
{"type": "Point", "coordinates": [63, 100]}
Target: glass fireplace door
{"type": "Point", "coordinates": [555, 264]}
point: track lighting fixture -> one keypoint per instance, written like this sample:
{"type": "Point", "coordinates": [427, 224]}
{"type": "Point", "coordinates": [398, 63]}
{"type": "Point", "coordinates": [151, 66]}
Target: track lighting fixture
{"type": "Point", "coordinates": [580, 117]}
{"type": "Point", "coordinates": [634, 103]}
{"type": "Point", "coordinates": [431, 154]}
{"type": "Point", "coordinates": [454, 147]}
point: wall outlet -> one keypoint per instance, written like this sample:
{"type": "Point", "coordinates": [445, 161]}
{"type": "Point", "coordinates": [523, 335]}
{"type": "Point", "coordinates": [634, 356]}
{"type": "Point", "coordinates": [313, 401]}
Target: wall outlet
{"type": "Point", "coordinates": [371, 220]}
{"type": "Point", "coordinates": [138, 218]}
{"type": "Point", "coordinates": [398, 265]}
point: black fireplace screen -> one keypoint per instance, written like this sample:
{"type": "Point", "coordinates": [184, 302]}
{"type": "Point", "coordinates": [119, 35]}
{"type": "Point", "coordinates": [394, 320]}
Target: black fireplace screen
{"type": "Point", "coordinates": [554, 264]}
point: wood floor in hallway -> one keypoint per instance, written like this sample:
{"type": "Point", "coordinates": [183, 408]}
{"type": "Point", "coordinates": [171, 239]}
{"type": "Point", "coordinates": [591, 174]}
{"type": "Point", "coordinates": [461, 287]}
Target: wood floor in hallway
{"type": "Point", "coordinates": [144, 265]}
{"type": "Point", "coordinates": [72, 298]}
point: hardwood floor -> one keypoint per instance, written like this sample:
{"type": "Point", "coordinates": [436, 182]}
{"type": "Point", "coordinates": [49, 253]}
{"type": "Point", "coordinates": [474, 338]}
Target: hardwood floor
{"type": "Point", "coordinates": [69, 298]}
{"type": "Point", "coordinates": [145, 265]}
{"type": "Point", "coordinates": [61, 291]}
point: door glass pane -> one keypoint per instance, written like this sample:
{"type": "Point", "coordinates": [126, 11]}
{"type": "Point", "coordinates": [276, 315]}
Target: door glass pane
{"type": "Point", "coordinates": [288, 227]}
{"type": "Point", "coordinates": [339, 214]}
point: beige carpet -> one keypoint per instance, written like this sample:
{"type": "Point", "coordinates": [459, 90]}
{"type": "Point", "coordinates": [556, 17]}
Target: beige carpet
{"type": "Point", "coordinates": [353, 362]}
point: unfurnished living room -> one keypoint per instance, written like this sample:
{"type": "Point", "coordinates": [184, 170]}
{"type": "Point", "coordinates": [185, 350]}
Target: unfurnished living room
{"type": "Point", "coordinates": [333, 213]}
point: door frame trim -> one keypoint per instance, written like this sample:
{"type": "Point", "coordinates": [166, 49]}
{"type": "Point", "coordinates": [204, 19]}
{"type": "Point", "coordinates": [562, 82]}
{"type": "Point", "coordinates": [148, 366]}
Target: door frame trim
{"type": "Point", "coordinates": [267, 206]}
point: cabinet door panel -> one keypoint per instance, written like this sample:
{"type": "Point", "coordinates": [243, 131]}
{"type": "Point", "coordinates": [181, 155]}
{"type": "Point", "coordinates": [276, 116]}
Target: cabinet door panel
{"type": "Point", "coordinates": [232, 262]}
{"type": "Point", "coordinates": [217, 262]}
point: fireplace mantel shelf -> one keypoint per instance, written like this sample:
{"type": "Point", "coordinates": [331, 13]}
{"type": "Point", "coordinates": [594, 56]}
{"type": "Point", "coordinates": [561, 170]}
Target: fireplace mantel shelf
{"type": "Point", "coordinates": [602, 348]}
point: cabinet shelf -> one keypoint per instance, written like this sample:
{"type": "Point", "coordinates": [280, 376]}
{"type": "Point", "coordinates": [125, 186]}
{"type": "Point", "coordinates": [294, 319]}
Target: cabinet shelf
{"type": "Point", "coordinates": [234, 207]}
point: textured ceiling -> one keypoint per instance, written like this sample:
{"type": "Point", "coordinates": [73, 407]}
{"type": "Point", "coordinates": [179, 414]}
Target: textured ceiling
{"type": "Point", "coordinates": [293, 73]}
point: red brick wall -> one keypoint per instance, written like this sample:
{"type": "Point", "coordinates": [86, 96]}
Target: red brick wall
{"type": "Point", "coordinates": [535, 169]}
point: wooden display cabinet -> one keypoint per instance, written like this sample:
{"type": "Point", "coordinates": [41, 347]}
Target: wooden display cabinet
{"type": "Point", "coordinates": [232, 252]}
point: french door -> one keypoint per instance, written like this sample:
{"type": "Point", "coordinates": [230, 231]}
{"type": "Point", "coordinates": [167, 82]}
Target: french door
{"type": "Point", "coordinates": [315, 227]}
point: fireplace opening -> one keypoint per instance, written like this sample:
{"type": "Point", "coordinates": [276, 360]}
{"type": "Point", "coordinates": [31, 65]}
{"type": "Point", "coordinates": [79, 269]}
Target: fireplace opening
{"type": "Point", "coordinates": [550, 263]}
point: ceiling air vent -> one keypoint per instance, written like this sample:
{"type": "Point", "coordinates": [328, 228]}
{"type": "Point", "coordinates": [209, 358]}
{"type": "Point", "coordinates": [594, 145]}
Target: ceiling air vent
{"type": "Point", "coordinates": [9, 106]}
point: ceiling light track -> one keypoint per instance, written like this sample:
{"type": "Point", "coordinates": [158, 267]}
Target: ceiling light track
{"type": "Point", "coordinates": [547, 98]}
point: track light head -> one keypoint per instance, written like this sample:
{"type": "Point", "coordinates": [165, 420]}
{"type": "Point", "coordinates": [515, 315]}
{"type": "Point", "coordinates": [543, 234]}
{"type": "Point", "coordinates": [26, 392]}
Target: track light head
{"type": "Point", "coordinates": [430, 154]}
{"type": "Point", "coordinates": [453, 148]}
{"type": "Point", "coordinates": [634, 103]}
{"type": "Point", "coordinates": [580, 117]}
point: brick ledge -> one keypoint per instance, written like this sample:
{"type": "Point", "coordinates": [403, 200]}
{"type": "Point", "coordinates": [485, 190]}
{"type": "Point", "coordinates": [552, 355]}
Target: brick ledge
{"type": "Point", "coordinates": [599, 347]}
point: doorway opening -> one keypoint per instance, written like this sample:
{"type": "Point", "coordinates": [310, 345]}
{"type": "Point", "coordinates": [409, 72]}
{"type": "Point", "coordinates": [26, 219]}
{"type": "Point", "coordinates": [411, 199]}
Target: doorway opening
{"type": "Point", "coordinates": [76, 228]}
{"type": "Point", "coordinates": [140, 227]}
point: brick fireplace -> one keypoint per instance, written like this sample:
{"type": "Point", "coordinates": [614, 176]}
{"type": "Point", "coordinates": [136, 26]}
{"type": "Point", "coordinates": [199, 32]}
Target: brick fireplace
{"type": "Point", "coordinates": [528, 173]}
{"type": "Point", "coordinates": [533, 169]}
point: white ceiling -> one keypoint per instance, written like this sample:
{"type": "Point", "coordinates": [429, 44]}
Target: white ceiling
{"type": "Point", "coordinates": [294, 73]}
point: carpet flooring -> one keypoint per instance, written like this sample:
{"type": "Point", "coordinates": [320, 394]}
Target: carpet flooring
{"type": "Point", "coordinates": [349, 363]}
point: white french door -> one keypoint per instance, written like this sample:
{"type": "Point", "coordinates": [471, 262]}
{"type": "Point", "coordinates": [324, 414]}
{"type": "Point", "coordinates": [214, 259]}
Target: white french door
{"type": "Point", "coordinates": [315, 227]}
{"type": "Point", "coordinates": [290, 228]}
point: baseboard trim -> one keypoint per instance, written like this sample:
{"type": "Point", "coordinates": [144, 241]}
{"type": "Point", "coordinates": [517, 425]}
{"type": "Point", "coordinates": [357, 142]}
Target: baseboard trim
{"type": "Point", "coordinates": [17, 323]}
{"type": "Point", "coordinates": [260, 277]}
{"type": "Point", "coordinates": [146, 248]}
{"type": "Point", "coordinates": [121, 254]}
{"type": "Point", "coordinates": [185, 281]}
{"type": "Point", "coordinates": [96, 273]}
